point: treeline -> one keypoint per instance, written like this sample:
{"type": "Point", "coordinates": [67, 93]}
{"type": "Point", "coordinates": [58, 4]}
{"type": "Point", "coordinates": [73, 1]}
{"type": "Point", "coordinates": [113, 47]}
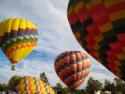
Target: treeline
{"type": "Point", "coordinates": [117, 85]}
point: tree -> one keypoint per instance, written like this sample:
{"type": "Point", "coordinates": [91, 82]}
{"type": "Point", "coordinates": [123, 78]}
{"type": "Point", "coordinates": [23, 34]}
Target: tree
{"type": "Point", "coordinates": [119, 85]}
{"type": "Point", "coordinates": [123, 89]}
{"type": "Point", "coordinates": [13, 82]}
{"type": "Point", "coordinates": [66, 90]}
{"type": "Point", "coordinates": [93, 85]}
{"type": "Point", "coordinates": [108, 86]}
{"type": "Point", "coordinates": [59, 88]}
{"type": "Point", "coordinates": [44, 78]}
{"type": "Point", "coordinates": [58, 85]}
{"type": "Point", "coordinates": [3, 87]}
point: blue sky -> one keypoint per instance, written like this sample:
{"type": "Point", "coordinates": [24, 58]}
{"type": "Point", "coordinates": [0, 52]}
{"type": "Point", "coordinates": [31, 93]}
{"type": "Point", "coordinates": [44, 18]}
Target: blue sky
{"type": "Point", "coordinates": [55, 37]}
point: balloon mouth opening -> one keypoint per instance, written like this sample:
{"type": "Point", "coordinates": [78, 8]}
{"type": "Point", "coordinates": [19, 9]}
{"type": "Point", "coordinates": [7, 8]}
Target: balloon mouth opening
{"type": "Point", "coordinates": [13, 61]}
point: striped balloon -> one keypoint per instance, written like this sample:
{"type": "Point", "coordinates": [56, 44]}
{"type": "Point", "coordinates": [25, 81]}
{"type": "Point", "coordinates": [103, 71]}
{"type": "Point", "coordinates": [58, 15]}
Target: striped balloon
{"type": "Point", "coordinates": [72, 67]}
{"type": "Point", "coordinates": [18, 37]}
{"type": "Point", "coordinates": [32, 85]}
{"type": "Point", "coordinates": [99, 26]}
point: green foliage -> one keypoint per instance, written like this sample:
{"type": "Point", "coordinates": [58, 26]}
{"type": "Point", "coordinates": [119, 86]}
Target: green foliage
{"type": "Point", "coordinates": [59, 86]}
{"type": "Point", "coordinates": [66, 90]}
{"type": "Point", "coordinates": [3, 87]}
{"type": "Point", "coordinates": [119, 85]}
{"type": "Point", "coordinates": [13, 82]}
{"type": "Point", "coordinates": [92, 85]}
{"type": "Point", "coordinates": [60, 89]}
{"type": "Point", "coordinates": [108, 86]}
{"type": "Point", "coordinates": [44, 78]}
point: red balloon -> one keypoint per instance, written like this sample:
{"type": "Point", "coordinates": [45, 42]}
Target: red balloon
{"type": "Point", "coordinates": [99, 26]}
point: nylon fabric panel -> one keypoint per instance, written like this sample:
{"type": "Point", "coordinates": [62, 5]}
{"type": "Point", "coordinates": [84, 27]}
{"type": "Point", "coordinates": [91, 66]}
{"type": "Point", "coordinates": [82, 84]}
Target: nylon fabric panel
{"type": "Point", "coordinates": [99, 27]}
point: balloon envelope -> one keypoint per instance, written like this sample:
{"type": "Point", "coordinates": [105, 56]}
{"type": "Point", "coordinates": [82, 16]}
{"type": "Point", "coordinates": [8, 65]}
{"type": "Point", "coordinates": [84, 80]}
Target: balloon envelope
{"type": "Point", "coordinates": [72, 67]}
{"type": "Point", "coordinates": [99, 26]}
{"type": "Point", "coordinates": [18, 37]}
{"type": "Point", "coordinates": [32, 85]}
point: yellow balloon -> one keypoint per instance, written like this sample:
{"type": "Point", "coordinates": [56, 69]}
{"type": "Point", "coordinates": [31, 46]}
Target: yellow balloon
{"type": "Point", "coordinates": [32, 85]}
{"type": "Point", "coordinates": [18, 37]}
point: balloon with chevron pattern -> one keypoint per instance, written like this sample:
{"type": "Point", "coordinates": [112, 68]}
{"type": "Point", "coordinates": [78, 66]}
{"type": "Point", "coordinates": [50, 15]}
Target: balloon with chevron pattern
{"type": "Point", "coordinates": [72, 67]}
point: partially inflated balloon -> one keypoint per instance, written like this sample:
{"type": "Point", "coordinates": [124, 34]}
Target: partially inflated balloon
{"type": "Point", "coordinates": [32, 85]}
{"type": "Point", "coordinates": [72, 67]}
{"type": "Point", "coordinates": [99, 26]}
{"type": "Point", "coordinates": [18, 37]}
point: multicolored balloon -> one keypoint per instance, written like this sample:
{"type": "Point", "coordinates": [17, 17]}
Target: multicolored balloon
{"type": "Point", "coordinates": [72, 67]}
{"type": "Point", "coordinates": [32, 85]}
{"type": "Point", "coordinates": [99, 26]}
{"type": "Point", "coordinates": [18, 37]}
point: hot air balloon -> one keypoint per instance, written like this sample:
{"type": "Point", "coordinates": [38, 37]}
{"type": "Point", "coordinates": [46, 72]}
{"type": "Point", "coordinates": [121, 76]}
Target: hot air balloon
{"type": "Point", "coordinates": [99, 26]}
{"type": "Point", "coordinates": [18, 37]}
{"type": "Point", "coordinates": [33, 85]}
{"type": "Point", "coordinates": [72, 67]}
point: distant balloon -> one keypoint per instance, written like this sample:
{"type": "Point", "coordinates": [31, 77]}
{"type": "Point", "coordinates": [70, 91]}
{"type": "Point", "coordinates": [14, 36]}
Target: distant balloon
{"type": "Point", "coordinates": [72, 67]}
{"type": "Point", "coordinates": [18, 37]}
{"type": "Point", "coordinates": [32, 85]}
{"type": "Point", "coordinates": [99, 26]}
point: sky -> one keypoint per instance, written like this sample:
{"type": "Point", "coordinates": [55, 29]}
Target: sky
{"type": "Point", "coordinates": [55, 37]}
